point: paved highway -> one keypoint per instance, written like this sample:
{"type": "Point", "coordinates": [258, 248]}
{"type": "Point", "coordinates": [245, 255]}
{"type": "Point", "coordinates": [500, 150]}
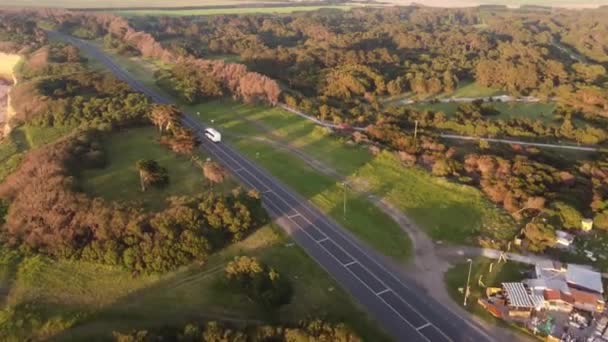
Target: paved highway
{"type": "Point", "coordinates": [404, 310]}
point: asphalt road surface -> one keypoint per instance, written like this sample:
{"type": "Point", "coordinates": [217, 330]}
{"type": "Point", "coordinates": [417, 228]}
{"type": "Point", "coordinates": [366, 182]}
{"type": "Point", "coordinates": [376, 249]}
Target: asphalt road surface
{"type": "Point", "coordinates": [404, 310]}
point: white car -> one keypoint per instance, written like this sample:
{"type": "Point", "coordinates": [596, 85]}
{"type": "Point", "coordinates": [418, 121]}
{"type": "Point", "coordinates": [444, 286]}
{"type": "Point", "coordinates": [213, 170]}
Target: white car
{"type": "Point", "coordinates": [213, 135]}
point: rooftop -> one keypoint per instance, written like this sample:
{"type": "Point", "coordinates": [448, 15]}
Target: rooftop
{"type": "Point", "coordinates": [518, 296]}
{"type": "Point", "coordinates": [584, 278]}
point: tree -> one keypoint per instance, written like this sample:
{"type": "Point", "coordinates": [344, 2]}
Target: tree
{"type": "Point", "coordinates": [262, 284]}
{"type": "Point", "coordinates": [601, 220]}
{"type": "Point", "coordinates": [3, 210]}
{"type": "Point", "coordinates": [570, 218]}
{"type": "Point", "coordinates": [164, 116]}
{"type": "Point", "coordinates": [540, 236]}
{"type": "Point", "coordinates": [214, 172]}
{"type": "Point", "coordinates": [151, 173]}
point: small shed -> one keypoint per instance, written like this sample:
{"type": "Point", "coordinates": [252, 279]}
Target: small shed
{"type": "Point", "coordinates": [586, 224]}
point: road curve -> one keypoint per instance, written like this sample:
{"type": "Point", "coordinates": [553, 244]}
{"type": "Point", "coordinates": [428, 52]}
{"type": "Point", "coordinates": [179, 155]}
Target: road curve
{"type": "Point", "coordinates": [404, 310]}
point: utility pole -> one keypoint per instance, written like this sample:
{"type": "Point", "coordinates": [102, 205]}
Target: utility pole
{"type": "Point", "coordinates": [466, 289]}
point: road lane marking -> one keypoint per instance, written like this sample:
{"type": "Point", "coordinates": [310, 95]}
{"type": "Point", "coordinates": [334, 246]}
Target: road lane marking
{"type": "Point", "coordinates": [423, 326]}
{"type": "Point", "coordinates": [383, 291]}
{"type": "Point", "coordinates": [323, 239]}
{"type": "Point", "coordinates": [350, 263]}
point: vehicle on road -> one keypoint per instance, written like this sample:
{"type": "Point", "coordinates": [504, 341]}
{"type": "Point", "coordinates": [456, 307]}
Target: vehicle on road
{"type": "Point", "coordinates": [213, 135]}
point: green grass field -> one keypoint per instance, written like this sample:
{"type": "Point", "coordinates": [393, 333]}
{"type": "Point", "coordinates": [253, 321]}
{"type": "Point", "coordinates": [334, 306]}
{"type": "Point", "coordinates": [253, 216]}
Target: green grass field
{"type": "Point", "coordinates": [456, 277]}
{"type": "Point", "coordinates": [76, 301]}
{"type": "Point", "coordinates": [472, 89]}
{"type": "Point", "coordinates": [119, 180]}
{"type": "Point", "coordinates": [447, 211]}
{"type": "Point", "coordinates": [216, 11]}
{"type": "Point", "coordinates": [511, 110]}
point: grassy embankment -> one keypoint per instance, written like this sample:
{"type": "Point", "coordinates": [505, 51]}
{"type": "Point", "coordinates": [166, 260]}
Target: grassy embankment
{"type": "Point", "coordinates": [456, 278]}
{"type": "Point", "coordinates": [77, 301]}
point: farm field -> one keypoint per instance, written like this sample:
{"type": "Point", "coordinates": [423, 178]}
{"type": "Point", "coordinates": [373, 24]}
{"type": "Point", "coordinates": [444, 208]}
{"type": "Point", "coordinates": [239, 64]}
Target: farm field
{"type": "Point", "coordinates": [77, 301]}
{"type": "Point", "coordinates": [119, 180]}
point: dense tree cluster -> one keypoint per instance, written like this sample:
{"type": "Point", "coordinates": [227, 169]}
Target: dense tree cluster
{"type": "Point", "coordinates": [314, 330]}
{"type": "Point", "coordinates": [58, 90]}
{"type": "Point", "coordinates": [19, 33]}
{"type": "Point", "coordinates": [173, 133]}
{"type": "Point", "coordinates": [235, 78]}
{"type": "Point", "coordinates": [189, 83]}
{"type": "Point", "coordinates": [49, 215]}
{"type": "Point", "coordinates": [124, 49]}
{"type": "Point", "coordinates": [337, 59]}
{"type": "Point", "coordinates": [260, 283]}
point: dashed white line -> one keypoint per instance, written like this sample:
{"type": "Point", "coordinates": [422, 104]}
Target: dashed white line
{"type": "Point", "coordinates": [350, 264]}
{"type": "Point", "coordinates": [292, 216]}
{"type": "Point", "coordinates": [323, 239]}
{"type": "Point", "coordinates": [383, 291]}
{"type": "Point", "coordinates": [423, 326]}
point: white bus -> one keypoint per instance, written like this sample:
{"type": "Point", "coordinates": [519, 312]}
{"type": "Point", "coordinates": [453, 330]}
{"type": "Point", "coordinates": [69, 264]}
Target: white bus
{"type": "Point", "coordinates": [213, 135]}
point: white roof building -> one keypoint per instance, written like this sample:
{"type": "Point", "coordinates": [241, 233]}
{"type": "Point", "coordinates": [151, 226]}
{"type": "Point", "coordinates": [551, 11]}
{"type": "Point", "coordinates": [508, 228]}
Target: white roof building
{"type": "Point", "coordinates": [581, 277]}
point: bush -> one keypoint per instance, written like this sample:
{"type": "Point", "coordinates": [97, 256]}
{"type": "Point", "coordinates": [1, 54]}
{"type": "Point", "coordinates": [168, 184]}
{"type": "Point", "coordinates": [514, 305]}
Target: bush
{"type": "Point", "coordinates": [260, 283]}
